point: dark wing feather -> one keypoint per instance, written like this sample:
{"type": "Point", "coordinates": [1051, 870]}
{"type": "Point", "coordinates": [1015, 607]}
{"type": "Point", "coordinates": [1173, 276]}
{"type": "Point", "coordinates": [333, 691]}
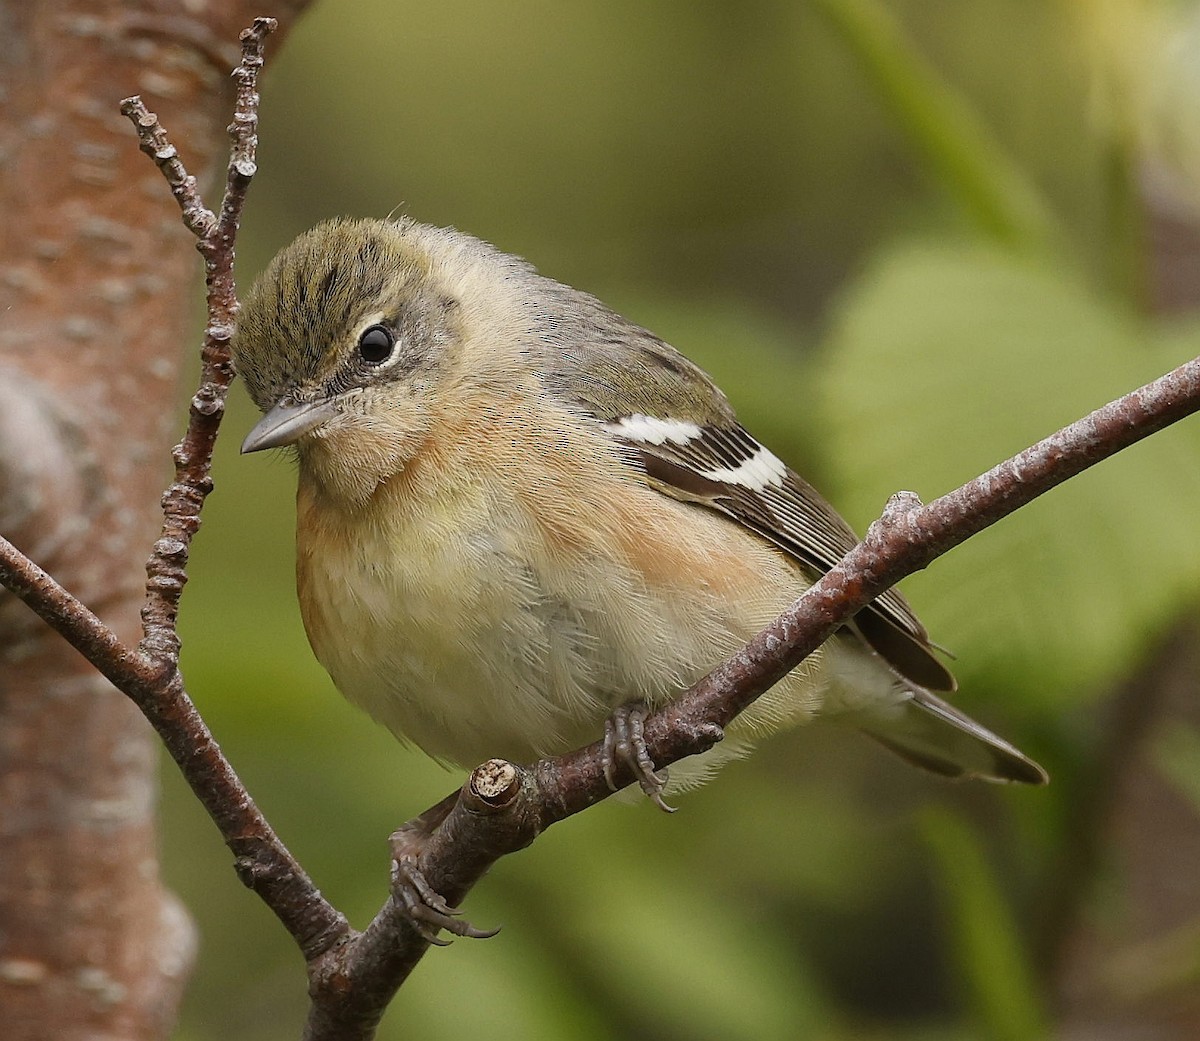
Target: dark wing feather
{"type": "Point", "coordinates": [793, 516]}
{"type": "Point", "coordinates": [617, 370]}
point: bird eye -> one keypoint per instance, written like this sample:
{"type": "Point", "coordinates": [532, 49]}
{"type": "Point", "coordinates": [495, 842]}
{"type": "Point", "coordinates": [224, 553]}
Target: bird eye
{"type": "Point", "coordinates": [375, 344]}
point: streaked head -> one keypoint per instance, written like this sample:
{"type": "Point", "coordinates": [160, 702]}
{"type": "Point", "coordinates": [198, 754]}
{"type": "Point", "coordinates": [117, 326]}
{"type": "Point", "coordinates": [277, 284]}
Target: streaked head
{"type": "Point", "coordinates": [345, 338]}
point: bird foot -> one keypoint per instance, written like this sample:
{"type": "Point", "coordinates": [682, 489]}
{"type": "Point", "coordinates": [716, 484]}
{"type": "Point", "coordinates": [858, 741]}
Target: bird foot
{"type": "Point", "coordinates": [427, 909]}
{"type": "Point", "coordinates": [625, 742]}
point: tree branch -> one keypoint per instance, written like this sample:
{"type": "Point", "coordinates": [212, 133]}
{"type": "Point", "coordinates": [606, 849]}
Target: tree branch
{"type": "Point", "coordinates": [182, 502]}
{"type": "Point", "coordinates": [149, 675]}
{"type": "Point", "coordinates": [263, 862]}
{"type": "Point", "coordinates": [354, 982]}
{"type": "Point", "coordinates": [502, 807]}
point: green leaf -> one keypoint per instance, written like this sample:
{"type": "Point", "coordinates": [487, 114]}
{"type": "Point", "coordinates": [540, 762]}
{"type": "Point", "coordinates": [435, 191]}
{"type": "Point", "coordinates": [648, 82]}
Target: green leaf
{"type": "Point", "coordinates": [946, 360]}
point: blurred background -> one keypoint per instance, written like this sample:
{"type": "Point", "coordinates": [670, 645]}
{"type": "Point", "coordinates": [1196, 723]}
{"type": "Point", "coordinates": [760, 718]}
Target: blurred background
{"type": "Point", "coordinates": [908, 237]}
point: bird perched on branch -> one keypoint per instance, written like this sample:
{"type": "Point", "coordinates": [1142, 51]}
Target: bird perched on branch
{"type": "Point", "coordinates": [519, 512]}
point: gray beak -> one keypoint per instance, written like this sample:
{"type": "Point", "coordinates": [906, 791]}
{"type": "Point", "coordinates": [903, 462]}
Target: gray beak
{"type": "Point", "coordinates": [286, 423]}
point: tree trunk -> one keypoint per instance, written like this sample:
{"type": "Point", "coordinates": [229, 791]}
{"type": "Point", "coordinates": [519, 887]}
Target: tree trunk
{"type": "Point", "coordinates": [96, 272]}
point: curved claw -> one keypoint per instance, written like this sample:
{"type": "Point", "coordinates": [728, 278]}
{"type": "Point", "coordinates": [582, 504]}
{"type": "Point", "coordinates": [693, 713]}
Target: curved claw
{"type": "Point", "coordinates": [426, 908]}
{"type": "Point", "coordinates": [625, 742]}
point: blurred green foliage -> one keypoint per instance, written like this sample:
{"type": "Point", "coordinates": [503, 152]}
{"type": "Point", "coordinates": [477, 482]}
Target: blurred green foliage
{"type": "Point", "coordinates": [902, 236]}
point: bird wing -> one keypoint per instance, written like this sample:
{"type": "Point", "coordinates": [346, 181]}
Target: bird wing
{"type": "Point", "coordinates": [709, 459]}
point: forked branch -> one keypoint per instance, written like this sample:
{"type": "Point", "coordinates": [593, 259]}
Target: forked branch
{"type": "Point", "coordinates": [503, 807]}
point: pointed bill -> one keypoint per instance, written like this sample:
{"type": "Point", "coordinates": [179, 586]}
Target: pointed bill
{"type": "Point", "coordinates": [286, 423]}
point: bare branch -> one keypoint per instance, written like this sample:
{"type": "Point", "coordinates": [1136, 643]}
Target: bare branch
{"type": "Point", "coordinates": [152, 138]}
{"type": "Point", "coordinates": [906, 538]}
{"type": "Point", "coordinates": [149, 675]}
{"type": "Point", "coordinates": [264, 863]}
{"type": "Point", "coordinates": [77, 433]}
{"type": "Point", "coordinates": [182, 502]}
{"type": "Point", "coordinates": [502, 808]}
{"type": "Point", "coordinates": [353, 976]}
{"type": "Point", "coordinates": [71, 619]}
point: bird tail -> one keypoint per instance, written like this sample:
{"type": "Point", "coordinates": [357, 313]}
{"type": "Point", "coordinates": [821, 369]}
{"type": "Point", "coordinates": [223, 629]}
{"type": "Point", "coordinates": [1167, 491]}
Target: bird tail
{"type": "Point", "coordinates": [931, 734]}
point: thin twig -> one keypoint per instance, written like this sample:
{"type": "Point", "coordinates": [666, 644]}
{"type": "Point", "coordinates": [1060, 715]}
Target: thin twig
{"type": "Point", "coordinates": [263, 862]}
{"type": "Point", "coordinates": [167, 567]}
{"type": "Point", "coordinates": [149, 674]}
{"type": "Point", "coordinates": [354, 975]}
{"type": "Point", "coordinates": [123, 667]}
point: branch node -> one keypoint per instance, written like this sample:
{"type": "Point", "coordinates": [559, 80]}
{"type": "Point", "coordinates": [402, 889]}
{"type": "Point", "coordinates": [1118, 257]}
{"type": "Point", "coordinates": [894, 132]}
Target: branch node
{"type": "Point", "coordinates": [155, 664]}
{"type": "Point", "coordinates": [208, 401]}
{"type": "Point", "coordinates": [898, 519]}
{"type": "Point", "coordinates": [494, 785]}
{"type": "Point", "coordinates": [902, 502]}
{"type": "Point", "coordinates": [171, 549]}
{"type": "Point", "coordinates": [248, 871]}
{"type": "Point", "coordinates": [254, 36]}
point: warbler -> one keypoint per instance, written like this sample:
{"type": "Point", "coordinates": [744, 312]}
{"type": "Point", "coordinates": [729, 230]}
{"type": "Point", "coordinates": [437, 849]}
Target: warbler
{"type": "Point", "coordinates": [518, 511]}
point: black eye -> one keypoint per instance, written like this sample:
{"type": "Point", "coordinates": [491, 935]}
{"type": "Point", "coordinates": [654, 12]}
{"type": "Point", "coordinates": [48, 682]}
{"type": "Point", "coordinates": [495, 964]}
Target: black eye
{"type": "Point", "coordinates": [375, 344]}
